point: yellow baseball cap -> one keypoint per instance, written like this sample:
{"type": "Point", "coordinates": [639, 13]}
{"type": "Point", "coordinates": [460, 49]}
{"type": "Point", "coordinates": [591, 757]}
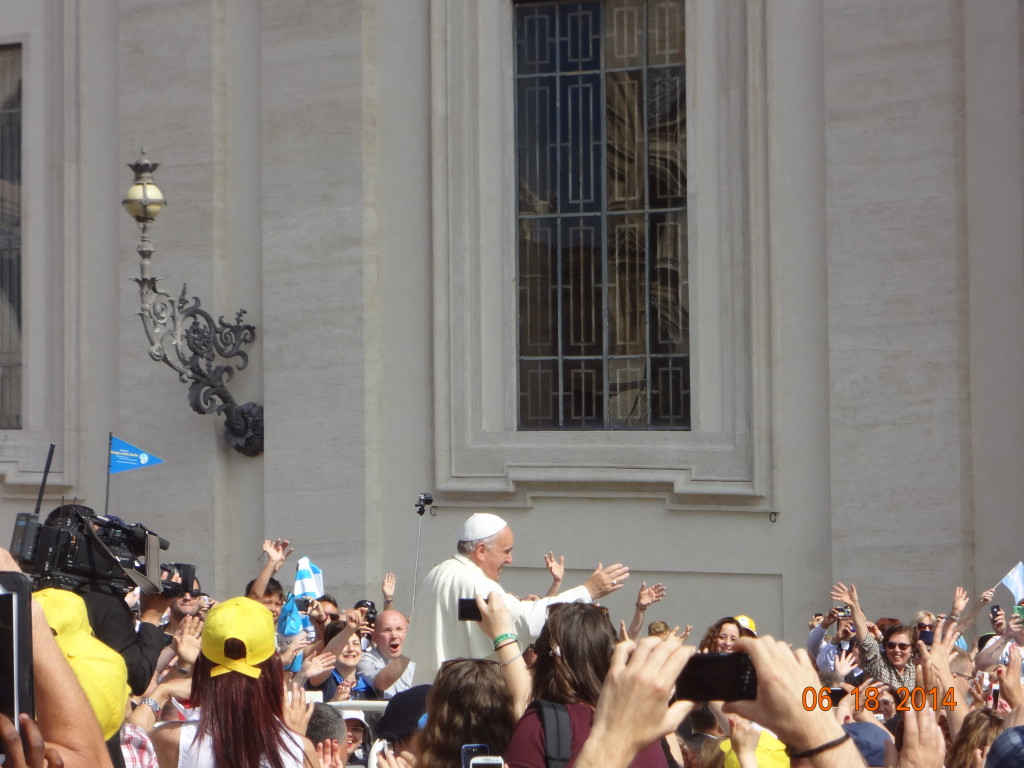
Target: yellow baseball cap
{"type": "Point", "coordinates": [747, 623]}
{"type": "Point", "coordinates": [244, 619]}
{"type": "Point", "coordinates": [100, 669]}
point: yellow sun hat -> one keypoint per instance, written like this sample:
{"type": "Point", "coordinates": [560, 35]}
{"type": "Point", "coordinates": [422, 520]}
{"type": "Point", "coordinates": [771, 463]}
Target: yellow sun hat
{"type": "Point", "coordinates": [101, 671]}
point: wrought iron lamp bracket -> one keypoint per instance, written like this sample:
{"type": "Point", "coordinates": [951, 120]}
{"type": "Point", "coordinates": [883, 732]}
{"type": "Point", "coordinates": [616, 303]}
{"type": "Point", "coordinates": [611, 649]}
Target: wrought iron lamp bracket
{"type": "Point", "coordinates": [185, 336]}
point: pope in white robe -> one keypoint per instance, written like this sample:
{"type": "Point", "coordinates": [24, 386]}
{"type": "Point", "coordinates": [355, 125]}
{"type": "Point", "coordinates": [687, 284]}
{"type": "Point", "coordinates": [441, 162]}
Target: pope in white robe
{"type": "Point", "coordinates": [485, 548]}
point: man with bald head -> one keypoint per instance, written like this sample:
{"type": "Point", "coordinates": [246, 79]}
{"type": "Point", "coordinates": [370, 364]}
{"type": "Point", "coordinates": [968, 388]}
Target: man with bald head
{"type": "Point", "coordinates": [484, 549]}
{"type": "Point", "coordinates": [384, 665]}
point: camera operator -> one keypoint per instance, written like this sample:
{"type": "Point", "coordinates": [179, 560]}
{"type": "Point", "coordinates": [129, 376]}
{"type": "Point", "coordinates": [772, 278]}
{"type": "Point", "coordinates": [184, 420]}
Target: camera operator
{"type": "Point", "coordinates": [112, 620]}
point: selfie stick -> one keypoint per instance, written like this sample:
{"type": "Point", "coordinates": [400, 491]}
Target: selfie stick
{"type": "Point", "coordinates": [424, 501]}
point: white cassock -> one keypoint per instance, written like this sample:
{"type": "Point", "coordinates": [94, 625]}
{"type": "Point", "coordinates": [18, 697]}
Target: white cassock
{"type": "Point", "coordinates": [435, 632]}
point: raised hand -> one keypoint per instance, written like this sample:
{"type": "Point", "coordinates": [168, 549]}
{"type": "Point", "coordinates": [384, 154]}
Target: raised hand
{"type": "Point", "coordinates": [1016, 627]}
{"type": "Point", "coordinates": [187, 640]}
{"type": "Point", "coordinates": [315, 666]}
{"type": "Point", "coordinates": [603, 581]}
{"type": "Point", "coordinates": [844, 664]}
{"type": "Point", "coordinates": [316, 613]}
{"type": "Point", "coordinates": [999, 622]}
{"type": "Point", "coordinates": [744, 737]}
{"type": "Point", "coordinates": [844, 594]}
{"type": "Point", "coordinates": [387, 587]}
{"type": "Point", "coordinates": [923, 744]}
{"type": "Point", "coordinates": [277, 551]}
{"type": "Point", "coordinates": [495, 619]}
{"type": "Point", "coordinates": [296, 711]}
{"type": "Point", "coordinates": [297, 643]}
{"type": "Point", "coordinates": [388, 759]}
{"type": "Point", "coordinates": [648, 595]}
{"type": "Point", "coordinates": [331, 754]}
{"type": "Point", "coordinates": [935, 661]}
{"type": "Point", "coordinates": [343, 692]}
{"type": "Point", "coordinates": [960, 600]}
{"type": "Point", "coordinates": [27, 750]}
{"type": "Point", "coordinates": [555, 566]}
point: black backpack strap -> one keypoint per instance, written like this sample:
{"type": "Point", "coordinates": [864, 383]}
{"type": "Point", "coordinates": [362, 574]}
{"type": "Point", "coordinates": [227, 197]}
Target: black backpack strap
{"type": "Point", "coordinates": [557, 732]}
{"type": "Point", "coordinates": [669, 758]}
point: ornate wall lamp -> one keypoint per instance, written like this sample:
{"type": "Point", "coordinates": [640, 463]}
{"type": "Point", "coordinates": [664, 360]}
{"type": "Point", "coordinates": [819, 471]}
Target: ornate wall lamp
{"type": "Point", "coordinates": [184, 336]}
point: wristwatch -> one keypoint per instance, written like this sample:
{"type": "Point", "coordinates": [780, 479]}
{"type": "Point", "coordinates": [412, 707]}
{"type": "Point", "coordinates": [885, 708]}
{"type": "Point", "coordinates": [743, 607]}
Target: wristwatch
{"type": "Point", "coordinates": [153, 704]}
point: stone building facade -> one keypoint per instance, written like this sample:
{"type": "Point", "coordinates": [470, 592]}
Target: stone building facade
{"type": "Point", "coordinates": [344, 170]}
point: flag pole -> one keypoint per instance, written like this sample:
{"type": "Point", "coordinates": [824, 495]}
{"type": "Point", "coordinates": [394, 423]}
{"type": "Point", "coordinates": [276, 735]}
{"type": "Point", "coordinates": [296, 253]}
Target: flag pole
{"type": "Point", "coordinates": [106, 501]}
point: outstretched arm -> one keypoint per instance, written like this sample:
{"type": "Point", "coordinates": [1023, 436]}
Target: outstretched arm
{"type": "Point", "coordinates": [645, 597]}
{"type": "Point", "coordinates": [968, 616]}
{"type": "Point", "coordinates": [603, 581]}
{"type": "Point", "coordinates": [497, 624]}
{"type": "Point", "coordinates": [939, 676]}
{"type": "Point", "coordinates": [1013, 632]}
{"type": "Point", "coordinates": [277, 552]}
{"type": "Point", "coordinates": [848, 595]}
{"type": "Point", "coordinates": [556, 566]}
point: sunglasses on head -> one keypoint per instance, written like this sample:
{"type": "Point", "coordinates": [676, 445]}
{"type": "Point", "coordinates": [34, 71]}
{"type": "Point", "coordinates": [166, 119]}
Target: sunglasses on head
{"type": "Point", "coordinates": [893, 646]}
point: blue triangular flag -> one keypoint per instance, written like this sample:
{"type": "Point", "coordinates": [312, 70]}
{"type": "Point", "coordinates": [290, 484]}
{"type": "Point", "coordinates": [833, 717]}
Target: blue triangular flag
{"type": "Point", "coordinates": [125, 456]}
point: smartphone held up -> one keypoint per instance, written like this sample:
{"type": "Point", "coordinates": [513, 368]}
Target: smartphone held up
{"type": "Point", "coordinates": [717, 677]}
{"type": "Point", "coordinates": [16, 682]}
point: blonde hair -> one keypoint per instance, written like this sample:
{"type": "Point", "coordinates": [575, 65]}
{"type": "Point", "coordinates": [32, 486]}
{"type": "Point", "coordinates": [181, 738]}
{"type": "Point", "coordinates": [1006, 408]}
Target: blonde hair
{"type": "Point", "coordinates": [658, 627]}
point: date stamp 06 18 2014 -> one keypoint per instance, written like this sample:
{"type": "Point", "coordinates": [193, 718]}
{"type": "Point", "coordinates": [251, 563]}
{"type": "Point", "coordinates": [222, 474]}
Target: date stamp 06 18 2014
{"type": "Point", "coordinates": [916, 698]}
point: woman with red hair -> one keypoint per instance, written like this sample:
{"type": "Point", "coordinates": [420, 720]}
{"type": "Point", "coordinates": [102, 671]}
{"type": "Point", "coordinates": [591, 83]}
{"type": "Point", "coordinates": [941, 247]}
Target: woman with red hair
{"type": "Point", "coordinates": [238, 685]}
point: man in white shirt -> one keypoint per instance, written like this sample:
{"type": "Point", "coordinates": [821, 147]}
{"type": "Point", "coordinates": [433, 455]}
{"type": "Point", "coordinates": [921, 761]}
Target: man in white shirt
{"type": "Point", "coordinates": [484, 549]}
{"type": "Point", "coordinates": [384, 665]}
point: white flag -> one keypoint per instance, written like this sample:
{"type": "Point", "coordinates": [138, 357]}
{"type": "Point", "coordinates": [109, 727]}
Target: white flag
{"type": "Point", "coordinates": [1014, 581]}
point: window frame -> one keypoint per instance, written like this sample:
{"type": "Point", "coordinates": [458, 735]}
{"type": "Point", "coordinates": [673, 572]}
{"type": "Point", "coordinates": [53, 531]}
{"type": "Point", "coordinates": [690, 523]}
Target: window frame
{"type": "Point", "coordinates": [15, 268]}
{"type": "Point", "coordinates": [48, 261]}
{"type": "Point", "coordinates": [725, 459]}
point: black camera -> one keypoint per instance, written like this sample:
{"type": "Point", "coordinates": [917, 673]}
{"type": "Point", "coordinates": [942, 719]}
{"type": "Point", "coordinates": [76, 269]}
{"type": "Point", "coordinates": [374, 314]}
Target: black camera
{"type": "Point", "coordinates": [187, 574]}
{"type": "Point", "coordinates": [371, 610]}
{"type": "Point", "coordinates": [75, 546]}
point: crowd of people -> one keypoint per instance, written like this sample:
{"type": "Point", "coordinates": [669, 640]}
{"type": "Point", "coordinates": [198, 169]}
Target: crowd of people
{"type": "Point", "coordinates": [271, 680]}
